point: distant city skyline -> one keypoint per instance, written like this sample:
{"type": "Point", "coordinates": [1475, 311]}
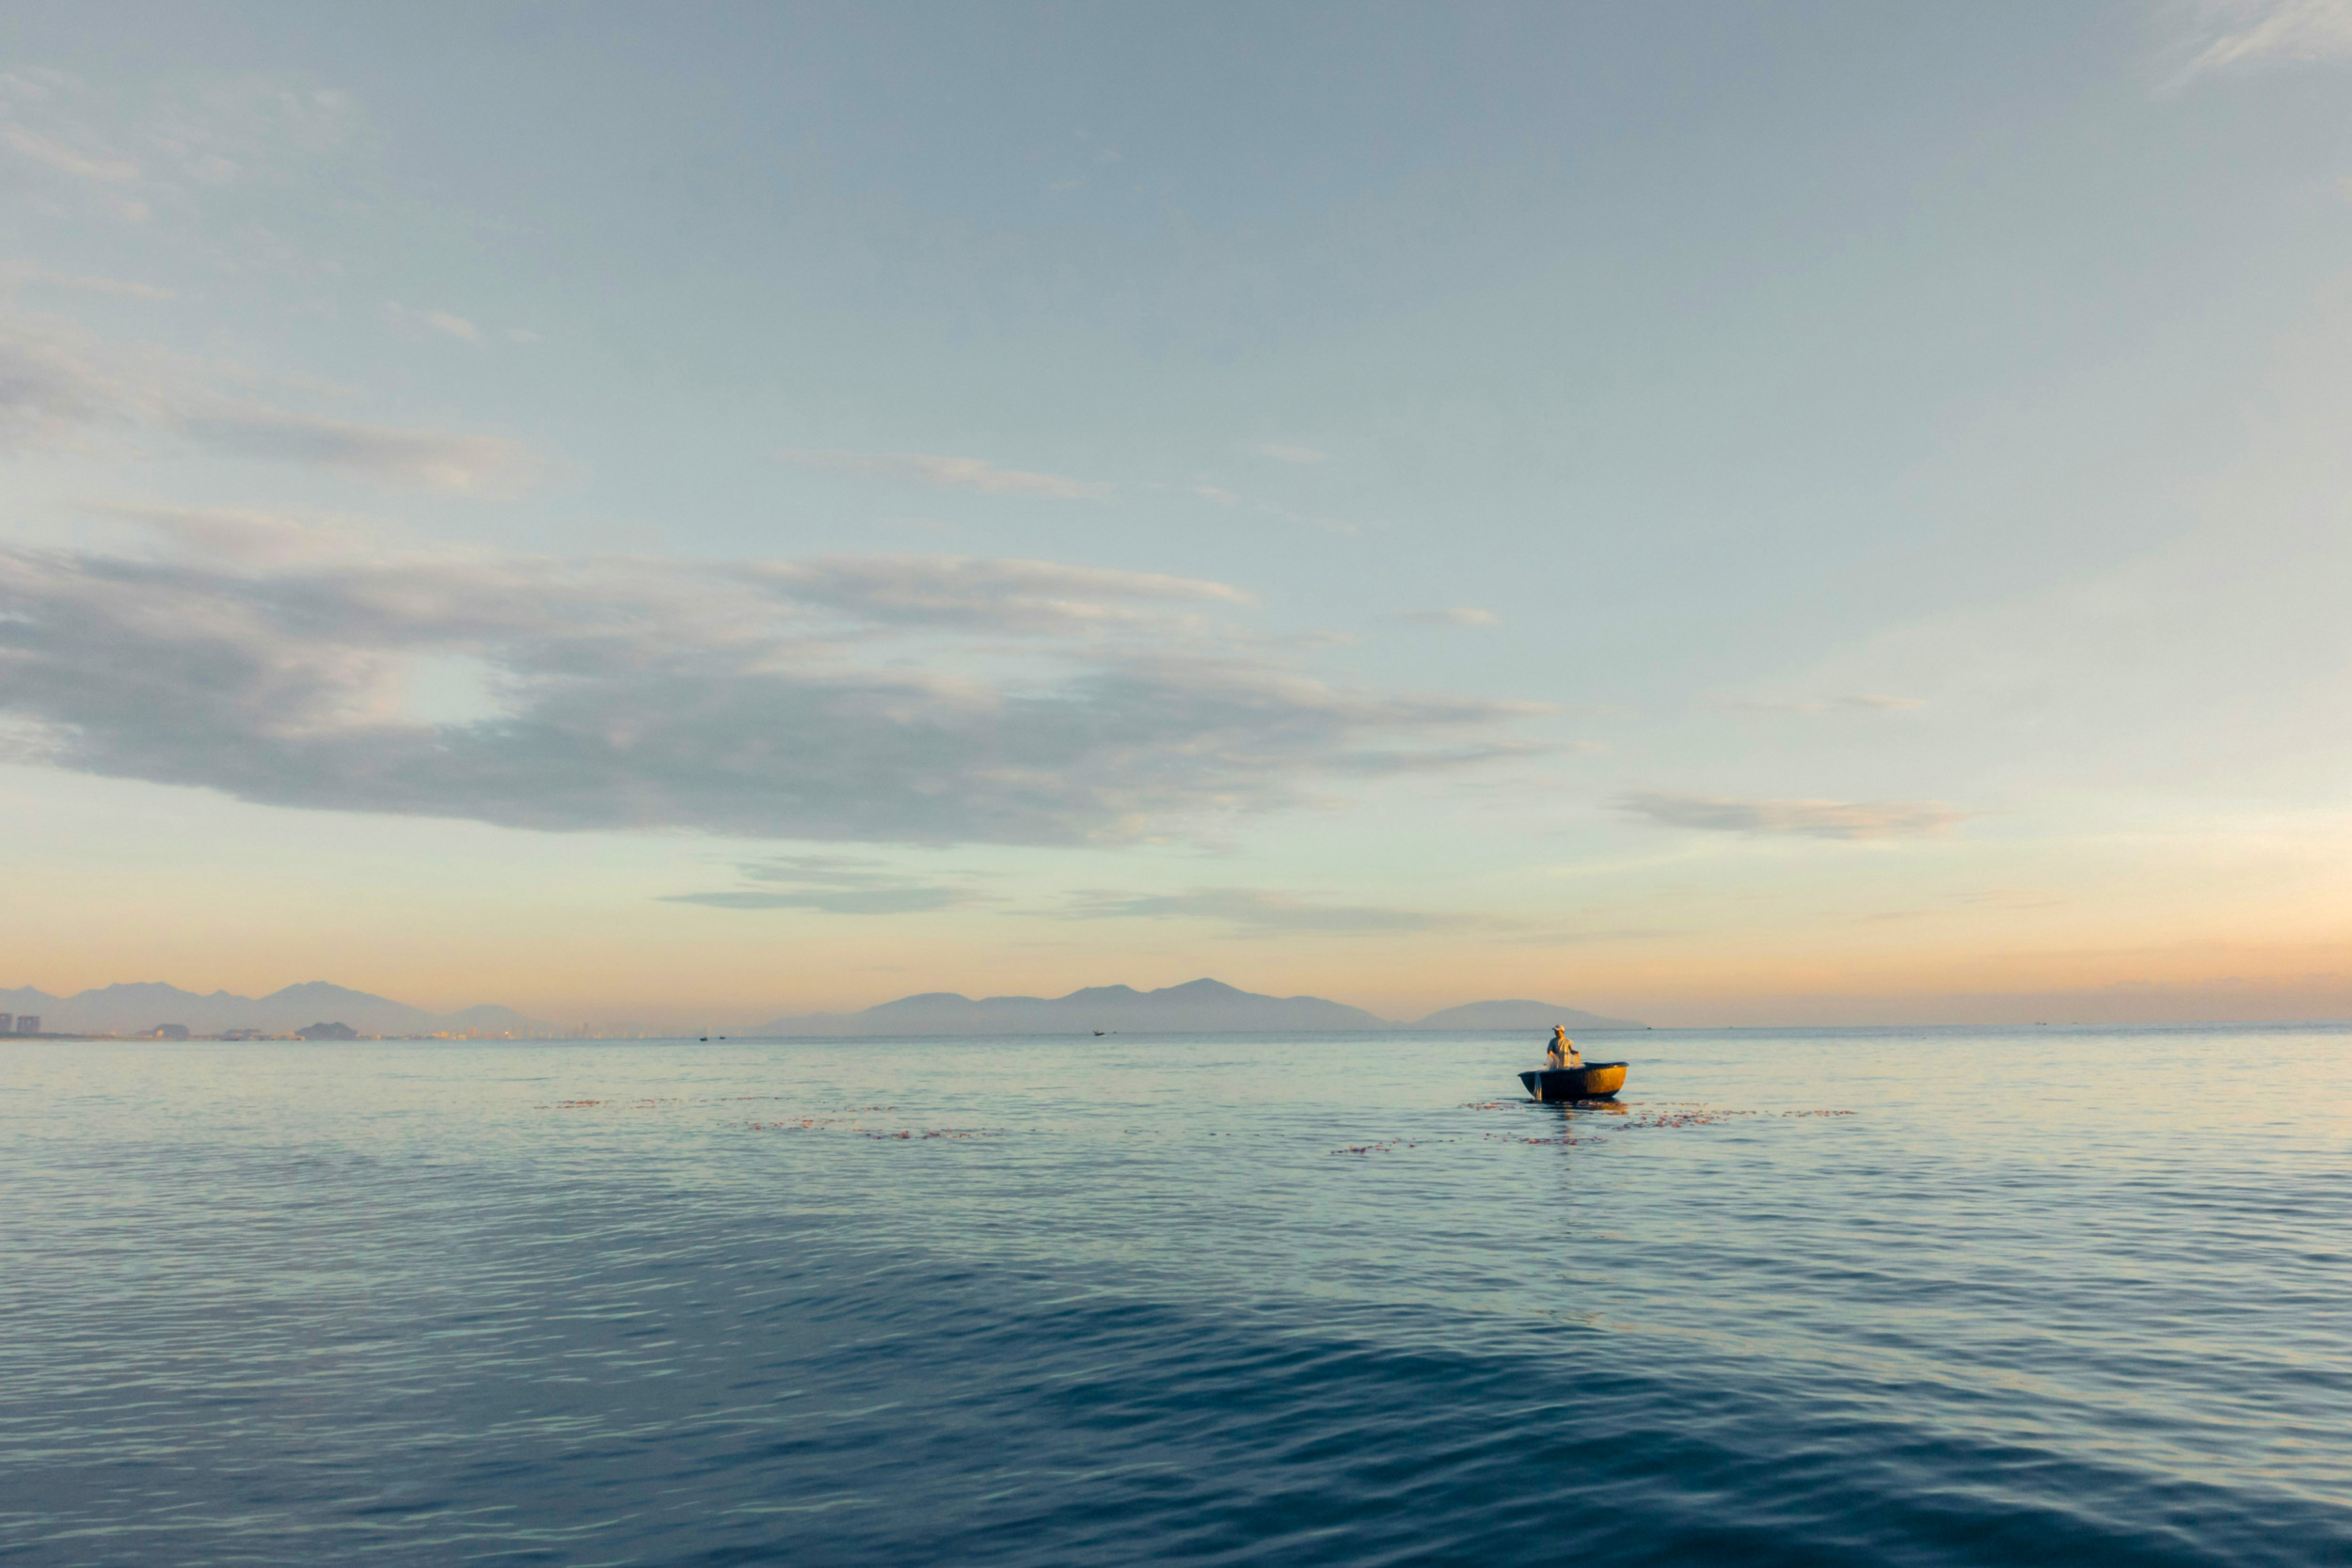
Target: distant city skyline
{"type": "Point", "coordinates": [1724, 514]}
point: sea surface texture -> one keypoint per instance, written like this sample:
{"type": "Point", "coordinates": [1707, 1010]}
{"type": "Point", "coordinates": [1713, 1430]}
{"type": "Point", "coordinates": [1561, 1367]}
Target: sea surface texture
{"type": "Point", "coordinates": [1943, 1296]}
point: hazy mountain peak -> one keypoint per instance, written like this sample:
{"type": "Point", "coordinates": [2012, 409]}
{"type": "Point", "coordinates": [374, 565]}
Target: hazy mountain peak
{"type": "Point", "coordinates": [129, 1008]}
{"type": "Point", "coordinates": [1521, 1014]}
{"type": "Point", "coordinates": [324, 989]}
{"type": "Point", "coordinates": [1202, 987]}
{"type": "Point", "coordinates": [1197, 1006]}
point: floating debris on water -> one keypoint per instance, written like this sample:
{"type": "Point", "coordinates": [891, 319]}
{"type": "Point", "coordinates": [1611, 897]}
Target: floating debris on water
{"type": "Point", "coordinates": [663, 1103]}
{"type": "Point", "coordinates": [1586, 1124]}
{"type": "Point", "coordinates": [848, 1121]}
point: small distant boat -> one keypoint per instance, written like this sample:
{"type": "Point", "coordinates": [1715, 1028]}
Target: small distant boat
{"type": "Point", "coordinates": [1592, 1080]}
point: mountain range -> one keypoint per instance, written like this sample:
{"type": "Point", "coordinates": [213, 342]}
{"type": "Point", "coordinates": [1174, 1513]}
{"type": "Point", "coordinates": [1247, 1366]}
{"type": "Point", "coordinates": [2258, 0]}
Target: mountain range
{"type": "Point", "coordinates": [1196, 1008]}
{"type": "Point", "coordinates": [133, 1009]}
{"type": "Point", "coordinates": [1199, 1006]}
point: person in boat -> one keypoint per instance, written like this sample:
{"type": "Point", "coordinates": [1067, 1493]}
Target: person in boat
{"type": "Point", "coordinates": [1563, 1052]}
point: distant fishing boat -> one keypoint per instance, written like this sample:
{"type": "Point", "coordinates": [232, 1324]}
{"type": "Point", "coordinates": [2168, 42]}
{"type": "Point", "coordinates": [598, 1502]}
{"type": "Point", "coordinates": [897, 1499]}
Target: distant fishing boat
{"type": "Point", "coordinates": [1592, 1080]}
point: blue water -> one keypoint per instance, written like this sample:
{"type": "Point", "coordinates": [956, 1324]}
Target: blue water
{"type": "Point", "coordinates": [2038, 1296]}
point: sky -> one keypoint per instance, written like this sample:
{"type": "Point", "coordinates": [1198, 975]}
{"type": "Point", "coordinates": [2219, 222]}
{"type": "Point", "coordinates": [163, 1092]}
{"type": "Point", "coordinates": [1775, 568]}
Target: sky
{"type": "Point", "coordinates": [1708, 513]}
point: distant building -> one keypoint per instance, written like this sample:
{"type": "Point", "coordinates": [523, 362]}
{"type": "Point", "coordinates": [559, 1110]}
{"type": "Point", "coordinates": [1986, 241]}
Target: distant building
{"type": "Point", "coordinates": [7, 1024]}
{"type": "Point", "coordinates": [170, 1031]}
{"type": "Point", "coordinates": [327, 1031]}
{"type": "Point", "coordinates": [28, 1024]}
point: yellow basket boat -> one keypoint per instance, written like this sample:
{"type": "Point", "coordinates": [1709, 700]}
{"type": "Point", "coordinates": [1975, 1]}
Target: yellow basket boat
{"type": "Point", "coordinates": [1592, 1080]}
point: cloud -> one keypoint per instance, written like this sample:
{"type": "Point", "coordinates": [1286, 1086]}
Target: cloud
{"type": "Point", "coordinates": [909, 900]}
{"type": "Point", "coordinates": [820, 701]}
{"type": "Point", "coordinates": [176, 144]}
{"type": "Point", "coordinates": [832, 884]}
{"type": "Point", "coordinates": [442, 322]}
{"type": "Point", "coordinates": [87, 285]}
{"type": "Point", "coordinates": [1219, 496]}
{"type": "Point", "coordinates": [2247, 32]}
{"type": "Point", "coordinates": [1281, 453]}
{"type": "Point", "coordinates": [54, 154]}
{"type": "Point", "coordinates": [433, 459]}
{"type": "Point", "coordinates": [246, 536]}
{"type": "Point", "coordinates": [1458, 616]}
{"type": "Point", "coordinates": [1330, 525]}
{"type": "Point", "coordinates": [55, 379]}
{"type": "Point", "coordinates": [849, 871]}
{"type": "Point", "coordinates": [1254, 909]}
{"type": "Point", "coordinates": [1799, 818]}
{"type": "Point", "coordinates": [1860, 703]}
{"type": "Point", "coordinates": [965, 593]}
{"type": "Point", "coordinates": [954, 473]}
{"type": "Point", "coordinates": [49, 384]}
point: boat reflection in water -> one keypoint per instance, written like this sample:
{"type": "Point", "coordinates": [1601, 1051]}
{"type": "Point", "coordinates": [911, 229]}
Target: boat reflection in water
{"type": "Point", "coordinates": [1592, 1080]}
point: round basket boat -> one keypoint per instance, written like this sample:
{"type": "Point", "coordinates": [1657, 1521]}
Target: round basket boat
{"type": "Point", "coordinates": [1592, 1080]}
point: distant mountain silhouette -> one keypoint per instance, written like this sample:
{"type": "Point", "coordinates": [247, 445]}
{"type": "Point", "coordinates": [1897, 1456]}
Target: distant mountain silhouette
{"type": "Point", "coordinates": [131, 1009]}
{"type": "Point", "coordinates": [1520, 1015]}
{"type": "Point", "coordinates": [1196, 1008]}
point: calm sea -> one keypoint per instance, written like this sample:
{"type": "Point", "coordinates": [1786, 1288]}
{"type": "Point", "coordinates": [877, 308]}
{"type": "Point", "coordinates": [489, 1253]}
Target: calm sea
{"type": "Point", "coordinates": [1940, 1296]}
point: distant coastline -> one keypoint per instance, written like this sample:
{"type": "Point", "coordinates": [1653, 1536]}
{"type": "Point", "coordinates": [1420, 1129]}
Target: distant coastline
{"type": "Point", "coordinates": [1196, 1008]}
{"type": "Point", "coordinates": [319, 1011]}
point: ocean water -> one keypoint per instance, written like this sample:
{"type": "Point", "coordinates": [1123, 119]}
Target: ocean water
{"type": "Point", "coordinates": [1938, 1296]}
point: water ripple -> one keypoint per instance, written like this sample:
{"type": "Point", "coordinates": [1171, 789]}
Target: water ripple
{"type": "Point", "coordinates": [576, 1304]}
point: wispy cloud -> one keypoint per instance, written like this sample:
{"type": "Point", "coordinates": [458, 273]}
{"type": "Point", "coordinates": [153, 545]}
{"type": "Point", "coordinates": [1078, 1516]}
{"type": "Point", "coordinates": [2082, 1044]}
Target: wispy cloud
{"type": "Point", "coordinates": [246, 535]}
{"type": "Point", "coordinates": [50, 383]}
{"type": "Point", "coordinates": [1283, 454]}
{"type": "Point", "coordinates": [834, 885]}
{"type": "Point", "coordinates": [1460, 615]}
{"type": "Point", "coordinates": [440, 321]}
{"type": "Point", "coordinates": [82, 284]}
{"type": "Point", "coordinates": [912, 900]}
{"type": "Point", "coordinates": [954, 473]}
{"type": "Point", "coordinates": [846, 700]}
{"type": "Point", "coordinates": [1256, 910]}
{"type": "Point", "coordinates": [56, 155]}
{"type": "Point", "coordinates": [432, 459]}
{"type": "Point", "coordinates": [166, 148]}
{"type": "Point", "coordinates": [1855, 820]}
{"type": "Point", "coordinates": [974, 594]}
{"type": "Point", "coordinates": [55, 380]}
{"type": "Point", "coordinates": [1329, 525]}
{"type": "Point", "coordinates": [1218, 495]}
{"type": "Point", "coordinates": [2228, 32]}
{"type": "Point", "coordinates": [1861, 703]}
